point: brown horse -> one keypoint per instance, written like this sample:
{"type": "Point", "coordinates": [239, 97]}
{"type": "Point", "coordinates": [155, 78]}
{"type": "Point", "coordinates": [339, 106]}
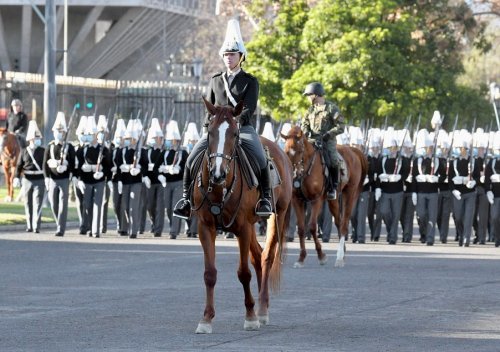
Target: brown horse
{"type": "Point", "coordinates": [310, 186]}
{"type": "Point", "coordinates": [223, 200]}
{"type": "Point", "coordinates": [9, 148]}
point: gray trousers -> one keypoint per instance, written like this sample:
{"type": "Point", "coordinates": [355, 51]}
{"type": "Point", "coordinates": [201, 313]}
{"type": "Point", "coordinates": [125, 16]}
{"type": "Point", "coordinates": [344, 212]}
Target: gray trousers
{"type": "Point", "coordinates": [376, 217]}
{"type": "Point", "coordinates": [33, 199]}
{"type": "Point", "coordinates": [143, 208]}
{"type": "Point", "coordinates": [427, 206]}
{"type": "Point", "coordinates": [58, 199]}
{"type": "Point", "coordinates": [173, 192]}
{"type": "Point", "coordinates": [79, 208]}
{"type": "Point", "coordinates": [358, 218]}
{"type": "Point", "coordinates": [463, 211]}
{"type": "Point", "coordinates": [249, 140]}
{"type": "Point", "coordinates": [117, 206]}
{"type": "Point", "coordinates": [104, 213]}
{"type": "Point", "coordinates": [407, 216]}
{"type": "Point", "coordinates": [130, 206]}
{"type": "Point", "coordinates": [156, 207]}
{"type": "Point", "coordinates": [92, 206]}
{"type": "Point", "coordinates": [495, 219]}
{"type": "Point", "coordinates": [325, 222]}
{"type": "Point", "coordinates": [390, 209]}
{"type": "Point", "coordinates": [480, 223]}
{"type": "Point", "coordinates": [445, 204]}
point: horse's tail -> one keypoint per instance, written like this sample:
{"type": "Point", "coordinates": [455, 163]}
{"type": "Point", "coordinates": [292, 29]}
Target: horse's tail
{"type": "Point", "coordinates": [364, 165]}
{"type": "Point", "coordinates": [280, 251]}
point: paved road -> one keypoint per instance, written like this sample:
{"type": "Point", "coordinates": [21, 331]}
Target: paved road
{"type": "Point", "coordinates": [82, 294]}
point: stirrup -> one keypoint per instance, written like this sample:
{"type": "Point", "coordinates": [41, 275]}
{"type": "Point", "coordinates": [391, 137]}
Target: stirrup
{"type": "Point", "coordinates": [331, 195]}
{"type": "Point", "coordinates": [259, 205]}
{"type": "Point", "coordinates": [177, 211]}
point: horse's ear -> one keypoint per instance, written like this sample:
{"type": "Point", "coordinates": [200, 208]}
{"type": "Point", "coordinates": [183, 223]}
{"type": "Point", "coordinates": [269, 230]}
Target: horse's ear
{"type": "Point", "coordinates": [299, 135]}
{"type": "Point", "coordinates": [238, 108]}
{"type": "Point", "coordinates": [210, 107]}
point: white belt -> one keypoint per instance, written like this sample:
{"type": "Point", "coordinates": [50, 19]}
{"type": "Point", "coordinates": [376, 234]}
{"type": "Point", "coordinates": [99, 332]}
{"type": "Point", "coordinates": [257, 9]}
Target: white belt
{"type": "Point", "coordinates": [36, 172]}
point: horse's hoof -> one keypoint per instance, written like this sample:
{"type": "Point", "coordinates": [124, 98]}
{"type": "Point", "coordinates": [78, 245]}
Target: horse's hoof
{"type": "Point", "coordinates": [323, 260]}
{"type": "Point", "coordinates": [298, 265]}
{"type": "Point", "coordinates": [251, 325]}
{"type": "Point", "coordinates": [264, 319]}
{"type": "Point", "coordinates": [204, 328]}
{"type": "Point", "coordinates": [339, 263]}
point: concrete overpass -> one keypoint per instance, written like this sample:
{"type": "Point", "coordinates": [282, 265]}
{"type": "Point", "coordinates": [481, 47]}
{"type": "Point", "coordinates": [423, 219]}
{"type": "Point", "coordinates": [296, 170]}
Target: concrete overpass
{"type": "Point", "coordinates": [112, 39]}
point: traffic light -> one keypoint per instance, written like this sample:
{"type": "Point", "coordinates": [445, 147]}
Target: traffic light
{"type": "Point", "coordinates": [77, 106]}
{"type": "Point", "coordinates": [89, 105]}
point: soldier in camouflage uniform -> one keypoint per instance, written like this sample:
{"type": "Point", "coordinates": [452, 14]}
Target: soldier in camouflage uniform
{"type": "Point", "coordinates": [323, 122]}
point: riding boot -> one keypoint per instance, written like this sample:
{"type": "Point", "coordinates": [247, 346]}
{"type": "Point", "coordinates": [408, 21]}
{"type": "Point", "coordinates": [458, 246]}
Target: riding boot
{"type": "Point", "coordinates": [334, 182]}
{"type": "Point", "coordinates": [264, 206]}
{"type": "Point", "coordinates": [183, 207]}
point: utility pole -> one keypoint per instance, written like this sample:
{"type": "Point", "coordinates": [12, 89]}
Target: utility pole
{"type": "Point", "coordinates": [49, 85]}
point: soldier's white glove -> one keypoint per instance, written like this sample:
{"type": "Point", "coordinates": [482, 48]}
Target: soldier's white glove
{"type": "Point", "coordinates": [110, 185]}
{"type": "Point", "coordinates": [162, 169]}
{"type": "Point", "coordinates": [457, 194]}
{"type": "Point", "coordinates": [151, 166]}
{"type": "Point", "coordinates": [495, 178]}
{"type": "Point", "coordinates": [81, 186]}
{"type": "Point", "coordinates": [74, 180]}
{"type": "Point", "coordinates": [421, 178]}
{"type": "Point", "coordinates": [163, 180]}
{"type": "Point", "coordinates": [175, 170]}
{"type": "Point", "coordinates": [46, 181]}
{"type": "Point", "coordinates": [98, 175]}
{"type": "Point", "coordinates": [65, 162]}
{"type": "Point", "coordinates": [17, 182]}
{"type": "Point", "coordinates": [378, 193]}
{"type": "Point", "coordinates": [52, 163]}
{"type": "Point", "coordinates": [120, 187]}
{"type": "Point", "coordinates": [113, 169]}
{"type": "Point", "coordinates": [432, 179]}
{"type": "Point", "coordinates": [383, 177]}
{"type": "Point", "coordinates": [365, 182]}
{"type": "Point", "coordinates": [470, 184]}
{"type": "Point", "coordinates": [135, 171]}
{"type": "Point", "coordinates": [146, 181]}
{"type": "Point", "coordinates": [394, 178]}
{"type": "Point", "coordinates": [491, 197]}
{"type": "Point", "coordinates": [481, 179]}
{"type": "Point", "coordinates": [86, 167]}
{"type": "Point", "coordinates": [124, 168]}
{"type": "Point", "coordinates": [409, 178]}
{"type": "Point", "coordinates": [458, 180]}
{"type": "Point", "coordinates": [61, 169]}
{"type": "Point", "coordinates": [414, 199]}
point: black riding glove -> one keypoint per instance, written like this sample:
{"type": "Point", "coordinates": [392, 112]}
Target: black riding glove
{"type": "Point", "coordinates": [325, 136]}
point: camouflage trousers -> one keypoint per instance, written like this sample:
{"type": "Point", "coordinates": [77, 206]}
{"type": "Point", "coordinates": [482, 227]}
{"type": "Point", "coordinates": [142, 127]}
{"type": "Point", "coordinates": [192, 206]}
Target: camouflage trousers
{"type": "Point", "coordinates": [331, 147]}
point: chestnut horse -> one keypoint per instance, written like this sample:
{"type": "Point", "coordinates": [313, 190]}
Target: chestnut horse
{"type": "Point", "coordinates": [222, 199]}
{"type": "Point", "coordinates": [10, 150]}
{"type": "Point", "coordinates": [310, 186]}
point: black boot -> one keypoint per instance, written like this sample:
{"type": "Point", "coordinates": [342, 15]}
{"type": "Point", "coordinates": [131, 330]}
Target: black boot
{"type": "Point", "coordinates": [334, 182]}
{"type": "Point", "coordinates": [183, 207]}
{"type": "Point", "coordinates": [264, 206]}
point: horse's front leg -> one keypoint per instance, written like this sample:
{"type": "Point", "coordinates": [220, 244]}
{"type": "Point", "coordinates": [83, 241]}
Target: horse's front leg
{"type": "Point", "coordinates": [207, 238]}
{"type": "Point", "coordinates": [245, 275]}
{"type": "Point", "coordinates": [313, 228]}
{"type": "Point", "coordinates": [300, 213]}
{"type": "Point", "coordinates": [347, 205]}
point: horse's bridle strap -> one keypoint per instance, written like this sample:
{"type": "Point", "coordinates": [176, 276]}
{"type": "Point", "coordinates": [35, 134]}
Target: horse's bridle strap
{"type": "Point", "coordinates": [225, 156]}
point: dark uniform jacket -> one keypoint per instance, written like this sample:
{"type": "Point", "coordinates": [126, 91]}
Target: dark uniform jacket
{"type": "Point", "coordinates": [126, 156]}
{"type": "Point", "coordinates": [392, 166]}
{"type": "Point", "coordinates": [493, 168]}
{"type": "Point", "coordinates": [462, 166]}
{"type": "Point", "coordinates": [115, 174]}
{"type": "Point", "coordinates": [89, 155]}
{"type": "Point", "coordinates": [53, 151]}
{"type": "Point", "coordinates": [372, 173]}
{"type": "Point", "coordinates": [26, 166]}
{"type": "Point", "coordinates": [244, 87]}
{"type": "Point", "coordinates": [17, 123]}
{"type": "Point", "coordinates": [152, 156]}
{"type": "Point", "coordinates": [423, 166]}
{"type": "Point", "coordinates": [173, 157]}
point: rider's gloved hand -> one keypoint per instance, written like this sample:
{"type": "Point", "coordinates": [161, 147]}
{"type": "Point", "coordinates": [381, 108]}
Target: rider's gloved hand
{"type": "Point", "coordinates": [325, 136]}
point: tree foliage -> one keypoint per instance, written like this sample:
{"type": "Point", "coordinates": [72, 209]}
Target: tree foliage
{"type": "Point", "coordinates": [375, 58]}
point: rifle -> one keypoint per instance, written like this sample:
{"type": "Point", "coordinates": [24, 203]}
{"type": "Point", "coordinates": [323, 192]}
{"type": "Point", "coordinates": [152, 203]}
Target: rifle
{"type": "Point", "coordinates": [366, 136]}
{"type": "Point", "coordinates": [64, 149]}
{"type": "Point", "coordinates": [140, 142]}
{"type": "Point", "coordinates": [436, 134]}
{"type": "Point", "coordinates": [106, 137]}
{"type": "Point", "coordinates": [398, 159]}
{"type": "Point", "coordinates": [276, 139]}
{"type": "Point", "coordinates": [471, 151]}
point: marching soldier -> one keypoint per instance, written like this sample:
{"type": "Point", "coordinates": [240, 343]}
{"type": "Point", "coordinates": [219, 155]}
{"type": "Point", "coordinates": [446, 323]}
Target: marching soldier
{"type": "Point", "coordinates": [463, 176]}
{"type": "Point", "coordinates": [29, 165]}
{"type": "Point", "coordinates": [407, 209]}
{"type": "Point", "coordinates": [115, 150]}
{"type": "Point", "coordinates": [58, 164]}
{"type": "Point", "coordinates": [445, 201]}
{"type": "Point", "coordinates": [374, 145]}
{"type": "Point", "coordinates": [102, 132]}
{"type": "Point", "coordinates": [171, 165]}
{"type": "Point", "coordinates": [360, 211]}
{"type": "Point", "coordinates": [190, 139]}
{"type": "Point", "coordinates": [92, 171]}
{"type": "Point", "coordinates": [428, 172]}
{"type": "Point", "coordinates": [229, 88]}
{"type": "Point", "coordinates": [130, 162]}
{"type": "Point", "coordinates": [392, 170]}
{"type": "Point", "coordinates": [480, 223]}
{"type": "Point", "coordinates": [82, 142]}
{"type": "Point", "coordinates": [155, 197]}
{"type": "Point", "coordinates": [492, 187]}
{"type": "Point", "coordinates": [324, 122]}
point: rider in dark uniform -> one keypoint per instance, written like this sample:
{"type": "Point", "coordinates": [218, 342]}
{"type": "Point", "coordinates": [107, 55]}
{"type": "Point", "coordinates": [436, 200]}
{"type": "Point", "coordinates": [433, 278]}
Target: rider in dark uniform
{"type": "Point", "coordinates": [17, 122]}
{"type": "Point", "coordinates": [227, 89]}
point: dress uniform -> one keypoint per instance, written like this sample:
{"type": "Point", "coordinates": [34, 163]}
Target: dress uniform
{"type": "Point", "coordinates": [392, 170]}
{"type": "Point", "coordinates": [407, 207]}
{"type": "Point", "coordinates": [93, 167]}
{"type": "Point", "coordinates": [463, 176]}
{"type": "Point", "coordinates": [360, 211]}
{"type": "Point", "coordinates": [82, 142]}
{"type": "Point", "coordinates": [103, 141]}
{"type": "Point", "coordinates": [131, 164]}
{"type": "Point", "coordinates": [155, 199]}
{"type": "Point", "coordinates": [58, 164]}
{"type": "Point", "coordinates": [115, 150]}
{"type": "Point", "coordinates": [481, 215]}
{"type": "Point", "coordinates": [190, 139]}
{"type": "Point", "coordinates": [171, 166]}
{"type": "Point", "coordinates": [445, 201]}
{"type": "Point", "coordinates": [30, 165]}
{"type": "Point", "coordinates": [374, 146]}
{"type": "Point", "coordinates": [227, 89]}
{"type": "Point", "coordinates": [492, 187]}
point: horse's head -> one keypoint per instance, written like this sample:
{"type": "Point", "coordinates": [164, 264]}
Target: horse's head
{"type": "Point", "coordinates": [223, 135]}
{"type": "Point", "coordinates": [294, 144]}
